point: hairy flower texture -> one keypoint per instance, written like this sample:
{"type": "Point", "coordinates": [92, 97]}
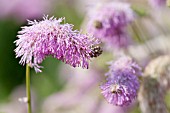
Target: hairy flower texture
{"type": "Point", "coordinates": [157, 3]}
{"type": "Point", "coordinates": [50, 37]}
{"type": "Point", "coordinates": [122, 82]}
{"type": "Point", "coordinates": [109, 22]}
{"type": "Point", "coordinates": [125, 65]}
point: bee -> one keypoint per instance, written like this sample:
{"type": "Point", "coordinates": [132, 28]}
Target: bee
{"type": "Point", "coordinates": [96, 51]}
{"type": "Point", "coordinates": [115, 89]}
{"type": "Point", "coordinates": [98, 24]}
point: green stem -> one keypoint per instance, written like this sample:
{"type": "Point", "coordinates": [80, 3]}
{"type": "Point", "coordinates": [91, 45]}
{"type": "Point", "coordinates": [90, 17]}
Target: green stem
{"type": "Point", "coordinates": [28, 89]}
{"type": "Point", "coordinates": [139, 11]}
{"type": "Point", "coordinates": [141, 36]}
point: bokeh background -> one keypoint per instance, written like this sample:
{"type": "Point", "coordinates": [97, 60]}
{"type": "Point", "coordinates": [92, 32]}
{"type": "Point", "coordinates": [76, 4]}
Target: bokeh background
{"type": "Point", "coordinates": [55, 89]}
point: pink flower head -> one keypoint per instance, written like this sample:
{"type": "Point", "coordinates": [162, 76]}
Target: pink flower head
{"type": "Point", "coordinates": [109, 21]}
{"type": "Point", "coordinates": [122, 83]}
{"type": "Point", "coordinates": [50, 37]}
{"type": "Point", "coordinates": [125, 65]}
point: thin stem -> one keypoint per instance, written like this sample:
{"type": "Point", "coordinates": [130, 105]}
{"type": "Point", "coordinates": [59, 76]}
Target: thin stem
{"type": "Point", "coordinates": [142, 37]}
{"type": "Point", "coordinates": [28, 89]}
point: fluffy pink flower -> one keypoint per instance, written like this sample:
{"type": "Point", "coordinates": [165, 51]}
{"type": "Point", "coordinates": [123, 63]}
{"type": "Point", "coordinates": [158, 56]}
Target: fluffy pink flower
{"type": "Point", "coordinates": [122, 82]}
{"type": "Point", "coordinates": [109, 21]}
{"type": "Point", "coordinates": [51, 38]}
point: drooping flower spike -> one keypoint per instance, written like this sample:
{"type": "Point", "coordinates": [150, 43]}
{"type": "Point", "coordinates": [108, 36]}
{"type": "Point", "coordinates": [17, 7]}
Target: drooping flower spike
{"type": "Point", "coordinates": [109, 21]}
{"type": "Point", "coordinates": [122, 82]}
{"type": "Point", "coordinates": [50, 37]}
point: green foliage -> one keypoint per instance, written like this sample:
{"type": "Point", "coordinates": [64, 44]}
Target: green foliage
{"type": "Point", "coordinates": [48, 81]}
{"type": "Point", "coordinates": [11, 73]}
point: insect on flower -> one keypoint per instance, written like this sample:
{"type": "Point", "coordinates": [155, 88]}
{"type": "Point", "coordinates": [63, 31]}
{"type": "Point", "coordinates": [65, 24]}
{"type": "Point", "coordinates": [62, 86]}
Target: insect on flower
{"type": "Point", "coordinates": [122, 82]}
{"type": "Point", "coordinates": [98, 24]}
{"type": "Point", "coordinates": [96, 51]}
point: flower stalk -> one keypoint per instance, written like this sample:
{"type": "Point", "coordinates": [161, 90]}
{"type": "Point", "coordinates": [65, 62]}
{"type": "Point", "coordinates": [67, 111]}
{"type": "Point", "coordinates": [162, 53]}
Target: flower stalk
{"type": "Point", "coordinates": [28, 89]}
